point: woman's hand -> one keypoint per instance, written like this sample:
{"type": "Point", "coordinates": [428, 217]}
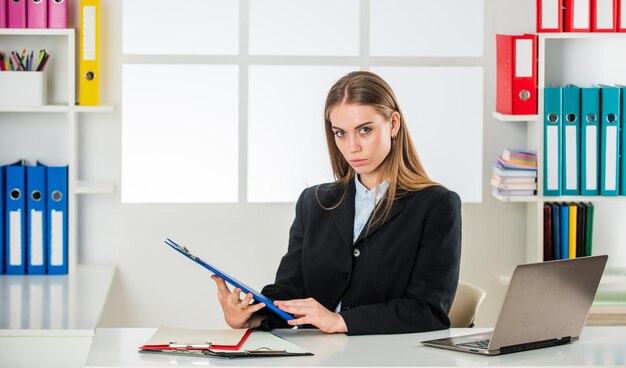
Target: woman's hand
{"type": "Point", "coordinates": [237, 313]}
{"type": "Point", "coordinates": [309, 311]}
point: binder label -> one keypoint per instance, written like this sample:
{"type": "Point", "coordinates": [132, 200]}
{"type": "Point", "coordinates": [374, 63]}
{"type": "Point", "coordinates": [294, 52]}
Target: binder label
{"type": "Point", "coordinates": [89, 35]}
{"type": "Point", "coordinates": [591, 181]}
{"type": "Point", "coordinates": [36, 238]}
{"type": "Point", "coordinates": [15, 234]}
{"type": "Point", "coordinates": [571, 158]}
{"type": "Point", "coordinates": [550, 14]}
{"type": "Point", "coordinates": [604, 14]}
{"type": "Point", "coordinates": [56, 238]}
{"type": "Point", "coordinates": [552, 157]}
{"type": "Point", "coordinates": [581, 14]}
{"type": "Point", "coordinates": [524, 58]}
{"type": "Point", "coordinates": [610, 175]}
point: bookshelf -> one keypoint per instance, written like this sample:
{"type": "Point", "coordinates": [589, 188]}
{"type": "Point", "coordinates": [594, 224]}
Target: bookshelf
{"type": "Point", "coordinates": [567, 72]}
{"type": "Point", "coordinates": [61, 81]}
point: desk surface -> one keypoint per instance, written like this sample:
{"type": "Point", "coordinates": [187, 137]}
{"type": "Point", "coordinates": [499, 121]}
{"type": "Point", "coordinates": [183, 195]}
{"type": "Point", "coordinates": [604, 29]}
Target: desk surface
{"type": "Point", "coordinates": [597, 347]}
{"type": "Point", "coordinates": [54, 305]}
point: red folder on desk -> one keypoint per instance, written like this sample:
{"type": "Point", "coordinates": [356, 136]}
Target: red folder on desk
{"type": "Point", "coordinates": [549, 16]}
{"type": "Point", "coordinates": [577, 16]}
{"type": "Point", "coordinates": [226, 344]}
{"type": "Point", "coordinates": [516, 74]}
{"type": "Point", "coordinates": [603, 15]}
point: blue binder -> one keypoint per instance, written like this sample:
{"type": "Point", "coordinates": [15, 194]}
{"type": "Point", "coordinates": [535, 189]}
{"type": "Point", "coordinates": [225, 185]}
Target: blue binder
{"type": "Point", "coordinates": [1, 219]}
{"type": "Point", "coordinates": [590, 141]}
{"type": "Point", "coordinates": [36, 219]}
{"type": "Point", "coordinates": [609, 140]}
{"type": "Point", "coordinates": [556, 231]}
{"type": "Point", "coordinates": [570, 141]}
{"type": "Point", "coordinates": [564, 231]}
{"type": "Point", "coordinates": [15, 219]}
{"type": "Point", "coordinates": [56, 222]}
{"type": "Point", "coordinates": [552, 127]}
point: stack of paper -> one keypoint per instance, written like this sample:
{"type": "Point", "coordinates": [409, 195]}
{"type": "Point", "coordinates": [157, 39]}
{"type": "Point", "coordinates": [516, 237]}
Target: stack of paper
{"type": "Point", "coordinates": [515, 173]}
{"type": "Point", "coordinates": [225, 343]}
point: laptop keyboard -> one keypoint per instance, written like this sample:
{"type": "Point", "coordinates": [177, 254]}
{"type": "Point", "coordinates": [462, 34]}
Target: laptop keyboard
{"type": "Point", "coordinates": [481, 344]}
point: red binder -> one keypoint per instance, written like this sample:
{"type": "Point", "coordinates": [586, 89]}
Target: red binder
{"type": "Point", "coordinates": [603, 15]}
{"type": "Point", "coordinates": [577, 16]}
{"type": "Point", "coordinates": [516, 89]}
{"type": "Point", "coordinates": [549, 16]}
{"type": "Point", "coordinates": [621, 15]}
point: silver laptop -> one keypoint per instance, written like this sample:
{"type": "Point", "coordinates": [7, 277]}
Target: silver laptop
{"type": "Point", "coordinates": [546, 305]}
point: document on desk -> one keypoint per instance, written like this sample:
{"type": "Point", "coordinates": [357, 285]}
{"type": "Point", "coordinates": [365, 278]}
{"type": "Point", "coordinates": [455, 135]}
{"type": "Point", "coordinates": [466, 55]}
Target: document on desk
{"type": "Point", "coordinates": [219, 343]}
{"type": "Point", "coordinates": [191, 338]}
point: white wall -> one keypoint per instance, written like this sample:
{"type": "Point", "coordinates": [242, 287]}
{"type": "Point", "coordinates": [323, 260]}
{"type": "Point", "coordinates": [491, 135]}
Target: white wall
{"type": "Point", "coordinates": [154, 286]}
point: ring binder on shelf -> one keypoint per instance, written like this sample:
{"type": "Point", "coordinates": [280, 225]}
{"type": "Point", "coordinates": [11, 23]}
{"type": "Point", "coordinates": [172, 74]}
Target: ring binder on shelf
{"type": "Point", "coordinates": [89, 66]}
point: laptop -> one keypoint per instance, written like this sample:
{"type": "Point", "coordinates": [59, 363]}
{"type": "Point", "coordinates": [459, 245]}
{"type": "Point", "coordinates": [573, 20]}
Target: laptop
{"type": "Point", "coordinates": [546, 305]}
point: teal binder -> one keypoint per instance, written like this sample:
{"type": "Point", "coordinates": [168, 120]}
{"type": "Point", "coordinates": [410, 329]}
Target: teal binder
{"type": "Point", "coordinates": [552, 127]}
{"type": "Point", "coordinates": [622, 180]}
{"type": "Point", "coordinates": [570, 141]}
{"type": "Point", "coordinates": [589, 141]}
{"type": "Point", "coordinates": [610, 140]}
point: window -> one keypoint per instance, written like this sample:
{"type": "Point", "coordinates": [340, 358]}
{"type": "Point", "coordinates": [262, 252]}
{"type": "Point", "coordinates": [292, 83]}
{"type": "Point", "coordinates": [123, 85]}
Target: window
{"type": "Point", "coordinates": [227, 106]}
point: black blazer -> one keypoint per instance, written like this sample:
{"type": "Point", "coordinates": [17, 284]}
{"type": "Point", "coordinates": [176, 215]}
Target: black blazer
{"type": "Point", "coordinates": [406, 272]}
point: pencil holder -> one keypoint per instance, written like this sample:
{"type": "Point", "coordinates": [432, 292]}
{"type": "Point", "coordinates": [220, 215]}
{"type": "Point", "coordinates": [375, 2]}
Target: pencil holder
{"type": "Point", "coordinates": [18, 88]}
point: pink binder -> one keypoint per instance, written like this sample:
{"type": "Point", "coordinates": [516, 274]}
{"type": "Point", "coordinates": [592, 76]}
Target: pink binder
{"type": "Point", "coordinates": [37, 13]}
{"type": "Point", "coordinates": [3, 13]}
{"type": "Point", "coordinates": [57, 13]}
{"type": "Point", "coordinates": [16, 10]}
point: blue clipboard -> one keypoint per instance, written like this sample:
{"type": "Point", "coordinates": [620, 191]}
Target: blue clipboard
{"type": "Point", "coordinates": [231, 280]}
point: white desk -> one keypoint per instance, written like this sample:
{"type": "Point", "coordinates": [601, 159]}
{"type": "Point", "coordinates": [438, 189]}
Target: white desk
{"type": "Point", "coordinates": [598, 347]}
{"type": "Point", "coordinates": [50, 321]}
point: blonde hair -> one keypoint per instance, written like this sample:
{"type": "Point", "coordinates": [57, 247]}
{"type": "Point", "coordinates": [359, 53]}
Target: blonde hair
{"type": "Point", "coordinates": [402, 167]}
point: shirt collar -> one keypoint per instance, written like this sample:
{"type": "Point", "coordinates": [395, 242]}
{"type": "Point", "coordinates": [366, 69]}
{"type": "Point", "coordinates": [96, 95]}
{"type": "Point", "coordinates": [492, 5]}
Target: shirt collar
{"type": "Point", "coordinates": [363, 192]}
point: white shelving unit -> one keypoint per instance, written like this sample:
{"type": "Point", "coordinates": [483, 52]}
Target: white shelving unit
{"type": "Point", "coordinates": [534, 204]}
{"type": "Point", "coordinates": [69, 107]}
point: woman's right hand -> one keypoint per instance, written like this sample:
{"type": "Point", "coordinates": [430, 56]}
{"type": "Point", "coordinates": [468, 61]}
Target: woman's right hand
{"type": "Point", "coordinates": [237, 313]}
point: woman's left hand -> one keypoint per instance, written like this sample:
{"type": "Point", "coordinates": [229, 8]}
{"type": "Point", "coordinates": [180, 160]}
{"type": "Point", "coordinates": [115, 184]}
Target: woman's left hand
{"type": "Point", "coordinates": [309, 311]}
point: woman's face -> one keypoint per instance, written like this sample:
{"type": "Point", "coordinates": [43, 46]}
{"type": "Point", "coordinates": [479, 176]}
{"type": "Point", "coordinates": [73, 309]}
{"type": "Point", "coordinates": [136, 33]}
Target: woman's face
{"type": "Point", "coordinates": [364, 138]}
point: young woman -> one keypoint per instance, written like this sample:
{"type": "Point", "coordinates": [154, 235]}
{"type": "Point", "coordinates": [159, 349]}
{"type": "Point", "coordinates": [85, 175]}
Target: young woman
{"type": "Point", "coordinates": [376, 251]}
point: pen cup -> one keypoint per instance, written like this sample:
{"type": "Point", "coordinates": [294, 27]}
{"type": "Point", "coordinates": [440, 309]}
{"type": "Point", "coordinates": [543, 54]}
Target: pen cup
{"type": "Point", "coordinates": [21, 88]}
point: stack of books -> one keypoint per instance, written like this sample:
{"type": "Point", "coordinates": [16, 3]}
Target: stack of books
{"type": "Point", "coordinates": [515, 173]}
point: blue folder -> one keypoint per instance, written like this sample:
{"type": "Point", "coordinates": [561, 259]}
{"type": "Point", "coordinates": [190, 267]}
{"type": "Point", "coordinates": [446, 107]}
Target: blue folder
{"type": "Point", "coordinates": [552, 127]}
{"type": "Point", "coordinates": [15, 219]}
{"type": "Point", "coordinates": [590, 141]}
{"type": "Point", "coordinates": [570, 182]}
{"type": "Point", "coordinates": [231, 280]}
{"type": "Point", "coordinates": [556, 231]}
{"type": "Point", "coordinates": [610, 140]}
{"type": "Point", "coordinates": [36, 219]}
{"type": "Point", "coordinates": [56, 221]}
{"type": "Point", "coordinates": [564, 231]}
{"type": "Point", "coordinates": [1, 219]}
